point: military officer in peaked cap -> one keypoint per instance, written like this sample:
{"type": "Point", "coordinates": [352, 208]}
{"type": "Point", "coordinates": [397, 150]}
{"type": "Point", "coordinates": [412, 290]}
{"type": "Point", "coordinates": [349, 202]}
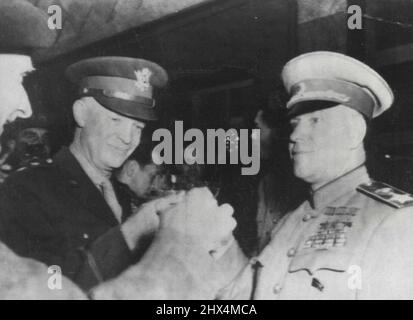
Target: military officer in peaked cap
{"type": "Point", "coordinates": [70, 214]}
{"type": "Point", "coordinates": [350, 239]}
{"type": "Point", "coordinates": [23, 29]}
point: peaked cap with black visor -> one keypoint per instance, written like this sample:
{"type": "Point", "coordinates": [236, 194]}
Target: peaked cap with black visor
{"type": "Point", "coordinates": [322, 79]}
{"type": "Point", "coordinates": [121, 84]}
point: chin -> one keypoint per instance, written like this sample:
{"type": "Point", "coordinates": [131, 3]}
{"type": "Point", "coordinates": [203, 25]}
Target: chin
{"type": "Point", "coordinates": [115, 162]}
{"type": "Point", "coordinates": [302, 170]}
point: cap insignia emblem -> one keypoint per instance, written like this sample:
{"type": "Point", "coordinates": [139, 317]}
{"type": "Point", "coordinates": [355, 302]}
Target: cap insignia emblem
{"type": "Point", "coordinates": [299, 89]}
{"type": "Point", "coordinates": [143, 79]}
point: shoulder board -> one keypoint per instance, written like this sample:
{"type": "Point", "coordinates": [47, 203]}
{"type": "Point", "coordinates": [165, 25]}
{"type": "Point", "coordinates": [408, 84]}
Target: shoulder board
{"type": "Point", "coordinates": [384, 192]}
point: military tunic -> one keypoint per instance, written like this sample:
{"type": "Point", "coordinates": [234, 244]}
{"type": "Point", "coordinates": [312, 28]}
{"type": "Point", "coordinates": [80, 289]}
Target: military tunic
{"type": "Point", "coordinates": [54, 213]}
{"type": "Point", "coordinates": [340, 244]}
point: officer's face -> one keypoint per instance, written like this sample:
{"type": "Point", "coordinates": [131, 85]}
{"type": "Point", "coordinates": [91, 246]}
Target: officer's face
{"type": "Point", "coordinates": [108, 137]}
{"type": "Point", "coordinates": [14, 101]}
{"type": "Point", "coordinates": [320, 144]}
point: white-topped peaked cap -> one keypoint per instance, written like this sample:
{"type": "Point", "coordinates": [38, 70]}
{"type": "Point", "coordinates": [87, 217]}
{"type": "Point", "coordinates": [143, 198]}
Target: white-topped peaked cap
{"type": "Point", "coordinates": [336, 79]}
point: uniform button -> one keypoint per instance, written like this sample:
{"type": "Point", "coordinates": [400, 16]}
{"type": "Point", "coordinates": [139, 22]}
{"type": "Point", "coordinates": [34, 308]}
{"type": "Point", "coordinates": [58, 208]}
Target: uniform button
{"type": "Point", "coordinates": [274, 221]}
{"type": "Point", "coordinates": [276, 289]}
{"type": "Point", "coordinates": [291, 252]}
{"type": "Point", "coordinates": [73, 183]}
{"type": "Point", "coordinates": [307, 217]}
{"type": "Point", "coordinates": [85, 236]}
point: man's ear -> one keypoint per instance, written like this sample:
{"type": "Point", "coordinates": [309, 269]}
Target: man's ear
{"type": "Point", "coordinates": [80, 112]}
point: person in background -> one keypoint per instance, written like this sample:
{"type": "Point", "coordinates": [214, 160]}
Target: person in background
{"type": "Point", "coordinates": [6, 159]}
{"type": "Point", "coordinates": [142, 180]}
{"type": "Point", "coordinates": [33, 148]}
{"type": "Point", "coordinates": [141, 175]}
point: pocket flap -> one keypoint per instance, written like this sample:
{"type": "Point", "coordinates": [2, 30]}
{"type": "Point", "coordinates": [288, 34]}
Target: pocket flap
{"type": "Point", "coordinates": [315, 260]}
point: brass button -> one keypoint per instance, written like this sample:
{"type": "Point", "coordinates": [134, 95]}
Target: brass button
{"type": "Point", "coordinates": [307, 217]}
{"type": "Point", "coordinates": [274, 221]}
{"type": "Point", "coordinates": [85, 236]}
{"type": "Point", "coordinates": [291, 252]}
{"type": "Point", "coordinates": [276, 289]}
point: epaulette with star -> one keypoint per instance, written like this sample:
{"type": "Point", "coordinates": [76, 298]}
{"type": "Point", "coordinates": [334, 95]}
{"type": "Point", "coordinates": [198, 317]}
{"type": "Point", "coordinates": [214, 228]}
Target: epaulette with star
{"type": "Point", "coordinates": [386, 193]}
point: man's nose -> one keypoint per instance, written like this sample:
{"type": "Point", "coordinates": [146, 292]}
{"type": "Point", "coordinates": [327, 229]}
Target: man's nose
{"type": "Point", "coordinates": [126, 133]}
{"type": "Point", "coordinates": [25, 109]}
{"type": "Point", "coordinates": [298, 132]}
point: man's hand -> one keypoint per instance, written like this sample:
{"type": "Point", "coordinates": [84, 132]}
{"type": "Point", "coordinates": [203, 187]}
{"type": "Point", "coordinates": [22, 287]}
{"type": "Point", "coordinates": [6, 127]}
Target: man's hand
{"type": "Point", "coordinates": [199, 218]}
{"type": "Point", "coordinates": [145, 222]}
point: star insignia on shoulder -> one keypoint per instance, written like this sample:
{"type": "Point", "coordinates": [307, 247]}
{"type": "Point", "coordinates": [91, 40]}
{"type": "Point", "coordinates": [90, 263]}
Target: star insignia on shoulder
{"type": "Point", "coordinates": [401, 198]}
{"type": "Point", "coordinates": [390, 195]}
{"type": "Point", "coordinates": [143, 78]}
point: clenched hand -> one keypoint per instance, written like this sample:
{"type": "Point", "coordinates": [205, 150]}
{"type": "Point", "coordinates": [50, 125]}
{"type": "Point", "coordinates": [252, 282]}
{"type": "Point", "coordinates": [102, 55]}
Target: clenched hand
{"type": "Point", "coordinates": [200, 219]}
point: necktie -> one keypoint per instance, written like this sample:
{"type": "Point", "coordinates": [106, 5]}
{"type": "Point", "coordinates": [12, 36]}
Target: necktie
{"type": "Point", "coordinates": [111, 200]}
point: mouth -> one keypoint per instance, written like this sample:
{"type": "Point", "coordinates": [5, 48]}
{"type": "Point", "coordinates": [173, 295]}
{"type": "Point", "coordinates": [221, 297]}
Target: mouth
{"type": "Point", "coordinates": [300, 152]}
{"type": "Point", "coordinates": [120, 149]}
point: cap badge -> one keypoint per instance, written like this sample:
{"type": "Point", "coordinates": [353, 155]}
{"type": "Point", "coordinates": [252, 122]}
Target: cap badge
{"type": "Point", "coordinates": [143, 79]}
{"type": "Point", "coordinates": [299, 89]}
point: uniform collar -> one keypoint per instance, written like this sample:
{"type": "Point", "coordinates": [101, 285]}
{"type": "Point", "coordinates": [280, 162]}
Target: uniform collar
{"type": "Point", "coordinates": [94, 175]}
{"type": "Point", "coordinates": [338, 187]}
{"type": "Point", "coordinates": [86, 192]}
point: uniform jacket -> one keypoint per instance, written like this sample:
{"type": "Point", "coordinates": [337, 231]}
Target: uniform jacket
{"type": "Point", "coordinates": [340, 244]}
{"type": "Point", "coordinates": [56, 215]}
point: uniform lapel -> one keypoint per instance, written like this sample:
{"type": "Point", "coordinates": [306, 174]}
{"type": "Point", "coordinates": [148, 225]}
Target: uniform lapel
{"type": "Point", "coordinates": [81, 188]}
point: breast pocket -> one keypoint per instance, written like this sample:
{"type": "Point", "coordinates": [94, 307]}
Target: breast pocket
{"type": "Point", "coordinates": [316, 261]}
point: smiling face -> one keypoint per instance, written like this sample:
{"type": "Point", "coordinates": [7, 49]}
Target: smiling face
{"type": "Point", "coordinates": [107, 138]}
{"type": "Point", "coordinates": [14, 102]}
{"type": "Point", "coordinates": [322, 143]}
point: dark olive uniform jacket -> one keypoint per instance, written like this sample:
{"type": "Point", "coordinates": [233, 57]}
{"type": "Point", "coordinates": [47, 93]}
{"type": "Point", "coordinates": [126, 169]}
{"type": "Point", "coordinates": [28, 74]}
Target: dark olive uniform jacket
{"type": "Point", "coordinates": [55, 214]}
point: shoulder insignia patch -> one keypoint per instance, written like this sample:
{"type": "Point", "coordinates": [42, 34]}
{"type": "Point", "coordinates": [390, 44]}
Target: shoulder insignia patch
{"type": "Point", "coordinates": [386, 193]}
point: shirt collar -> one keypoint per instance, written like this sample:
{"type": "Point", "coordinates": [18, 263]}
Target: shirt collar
{"type": "Point", "coordinates": [338, 187]}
